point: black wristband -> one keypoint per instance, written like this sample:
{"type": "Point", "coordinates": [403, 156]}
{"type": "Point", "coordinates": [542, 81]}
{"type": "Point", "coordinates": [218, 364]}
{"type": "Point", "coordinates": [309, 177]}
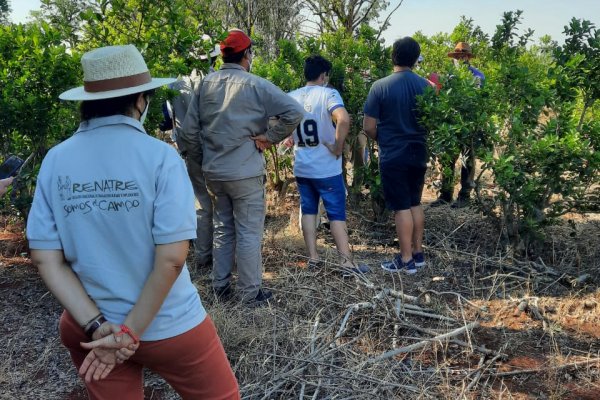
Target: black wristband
{"type": "Point", "coordinates": [91, 327]}
{"type": "Point", "coordinates": [90, 321]}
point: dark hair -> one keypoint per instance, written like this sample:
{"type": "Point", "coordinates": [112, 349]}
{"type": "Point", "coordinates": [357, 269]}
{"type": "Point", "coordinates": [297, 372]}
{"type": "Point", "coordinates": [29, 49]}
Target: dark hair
{"type": "Point", "coordinates": [315, 66]}
{"type": "Point", "coordinates": [123, 105]}
{"type": "Point", "coordinates": [236, 57]}
{"type": "Point", "coordinates": [405, 52]}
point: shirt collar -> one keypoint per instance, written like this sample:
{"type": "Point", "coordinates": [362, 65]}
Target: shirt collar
{"type": "Point", "coordinates": [232, 66]}
{"type": "Point", "coordinates": [100, 122]}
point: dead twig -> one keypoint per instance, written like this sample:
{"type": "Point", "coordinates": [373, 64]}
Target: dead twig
{"type": "Point", "coordinates": [548, 368]}
{"type": "Point", "coordinates": [423, 343]}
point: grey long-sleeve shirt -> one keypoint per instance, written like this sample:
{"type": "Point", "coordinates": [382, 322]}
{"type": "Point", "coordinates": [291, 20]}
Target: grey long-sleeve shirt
{"type": "Point", "coordinates": [229, 107]}
{"type": "Point", "coordinates": [180, 104]}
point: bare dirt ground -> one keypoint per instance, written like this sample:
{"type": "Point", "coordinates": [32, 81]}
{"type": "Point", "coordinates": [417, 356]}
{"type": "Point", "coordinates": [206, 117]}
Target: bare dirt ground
{"type": "Point", "coordinates": [510, 329]}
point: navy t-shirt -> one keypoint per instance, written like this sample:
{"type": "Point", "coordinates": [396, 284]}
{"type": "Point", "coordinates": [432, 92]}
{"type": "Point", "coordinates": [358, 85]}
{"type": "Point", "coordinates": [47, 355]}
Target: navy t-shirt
{"type": "Point", "coordinates": [392, 101]}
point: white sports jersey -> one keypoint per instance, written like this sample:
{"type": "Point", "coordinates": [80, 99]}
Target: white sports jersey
{"type": "Point", "coordinates": [312, 158]}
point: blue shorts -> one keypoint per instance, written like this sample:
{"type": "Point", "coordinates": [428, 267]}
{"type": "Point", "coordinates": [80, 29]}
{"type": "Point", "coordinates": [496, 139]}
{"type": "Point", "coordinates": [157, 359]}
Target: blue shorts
{"type": "Point", "coordinates": [331, 190]}
{"type": "Point", "coordinates": [402, 186]}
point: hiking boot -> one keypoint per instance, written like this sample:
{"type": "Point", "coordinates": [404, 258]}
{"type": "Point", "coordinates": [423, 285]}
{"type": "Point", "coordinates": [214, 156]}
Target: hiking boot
{"type": "Point", "coordinates": [357, 269]}
{"type": "Point", "coordinates": [223, 293]}
{"type": "Point", "coordinates": [419, 259]}
{"type": "Point", "coordinates": [461, 202]}
{"type": "Point", "coordinates": [397, 265]}
{"type": "Point", "coordinates": [439, 202]}
{"type": "Point", "coordinates": [261, 300]}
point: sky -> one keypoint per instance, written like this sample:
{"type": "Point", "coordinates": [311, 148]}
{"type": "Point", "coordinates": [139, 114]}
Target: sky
{"type": "Point", "coordinates": [545, 17]}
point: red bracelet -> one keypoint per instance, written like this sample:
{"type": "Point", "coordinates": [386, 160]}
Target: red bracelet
{"type": "Point", "coordinates": [126, 330]}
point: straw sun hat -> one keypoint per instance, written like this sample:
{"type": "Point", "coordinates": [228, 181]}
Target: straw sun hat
{"type": "Point", "coordinates": [113, 71]}
{"type": "Point", "coordinates": [461, 49]}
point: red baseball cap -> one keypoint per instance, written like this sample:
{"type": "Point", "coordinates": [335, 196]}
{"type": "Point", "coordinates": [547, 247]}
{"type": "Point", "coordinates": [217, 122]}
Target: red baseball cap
{"type": "Point", "coordinates": [235, 42]}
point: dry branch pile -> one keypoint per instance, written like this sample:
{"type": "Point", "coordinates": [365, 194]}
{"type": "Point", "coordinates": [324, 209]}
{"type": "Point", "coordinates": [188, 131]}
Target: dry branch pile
{"type": "Point", "coordinates": [348, 338]}
{"type": "Point", "coordinates": [475, 323]}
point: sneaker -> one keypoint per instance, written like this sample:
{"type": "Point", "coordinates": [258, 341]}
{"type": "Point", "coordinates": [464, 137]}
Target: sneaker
{"type": "Point", "coordinates": [261, 300]}
{"type": "Point", "coordinates": [439, 202]}
{"type": "Point", "coordinates": [461, 202]}
{"type": "Point", "coordinates": [419, 259]}
{"type": "Point", "coordinates": [397, 265]}
{"type": "Point", "coordinates": [223, 293]}
{"type": "Point", "coordinates": [358, 269]}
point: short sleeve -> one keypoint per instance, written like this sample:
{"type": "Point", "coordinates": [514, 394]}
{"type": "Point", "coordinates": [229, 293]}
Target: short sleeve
{"type": "Point", "coordinates": [42, 231]}
{"type": "Point", "coordinates": [334, 100]}
{"type": "Point", "coordinates": [372, 104]}
{"type": "Point", "coordinates": [174, 210]}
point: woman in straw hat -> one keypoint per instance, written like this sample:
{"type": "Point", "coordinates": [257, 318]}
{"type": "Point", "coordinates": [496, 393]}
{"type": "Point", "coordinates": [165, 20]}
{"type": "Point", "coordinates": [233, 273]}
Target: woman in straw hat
{"type": "Point", "coordinates": [109, 229]}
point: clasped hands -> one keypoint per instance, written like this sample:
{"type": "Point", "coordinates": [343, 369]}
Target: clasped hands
{"type": "Point", "coordinates": [109, 348]}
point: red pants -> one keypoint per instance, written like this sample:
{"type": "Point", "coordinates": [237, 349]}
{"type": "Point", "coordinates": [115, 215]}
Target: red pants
{"type": "Point", "coordinates": [193, 363]}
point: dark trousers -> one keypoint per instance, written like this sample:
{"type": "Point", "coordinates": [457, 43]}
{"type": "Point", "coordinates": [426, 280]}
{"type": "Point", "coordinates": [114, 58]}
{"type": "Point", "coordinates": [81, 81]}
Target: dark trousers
{"type": "Point", "coordinates": [467, 177]}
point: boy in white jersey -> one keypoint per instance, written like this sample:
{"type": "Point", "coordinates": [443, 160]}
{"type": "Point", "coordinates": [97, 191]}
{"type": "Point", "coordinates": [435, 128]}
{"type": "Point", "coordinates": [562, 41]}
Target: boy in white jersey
{"type": "Point", "coordinates": [318, 145]}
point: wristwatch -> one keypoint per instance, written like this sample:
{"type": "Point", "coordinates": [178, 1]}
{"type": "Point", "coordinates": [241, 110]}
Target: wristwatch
{"type": "Point", "coordinates": [94, 324]}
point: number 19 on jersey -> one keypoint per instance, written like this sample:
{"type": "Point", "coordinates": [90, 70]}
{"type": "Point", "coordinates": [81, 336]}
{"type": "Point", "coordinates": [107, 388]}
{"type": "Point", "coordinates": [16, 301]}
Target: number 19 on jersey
{"type": "Point", "coordinates": [307, 133]}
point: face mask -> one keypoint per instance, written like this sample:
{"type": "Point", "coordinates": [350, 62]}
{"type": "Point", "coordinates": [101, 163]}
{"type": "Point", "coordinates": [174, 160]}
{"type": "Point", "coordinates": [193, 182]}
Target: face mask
{"type": "Point", "coordinates": [145, 113]}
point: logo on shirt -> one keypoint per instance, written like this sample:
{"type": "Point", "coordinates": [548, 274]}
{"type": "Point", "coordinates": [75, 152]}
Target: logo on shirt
{"type": "Point", "coordinates": [64, 187]}
{"type": "Point", "coordinates": [106, 195]}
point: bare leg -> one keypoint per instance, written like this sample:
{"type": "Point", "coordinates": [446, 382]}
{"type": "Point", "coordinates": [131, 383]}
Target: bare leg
{"type": "Point", "coordinates": [340, 236]}
{"type": "Point", "coordinates": [418, 218]}
{"type": "Point", "coordinates": [309, 231]}
{"type": "Point", "coordinates": [404, 230]}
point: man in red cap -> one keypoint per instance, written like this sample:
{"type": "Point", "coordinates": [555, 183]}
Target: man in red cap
{"type": "Point", "coordinates": [230, 114]}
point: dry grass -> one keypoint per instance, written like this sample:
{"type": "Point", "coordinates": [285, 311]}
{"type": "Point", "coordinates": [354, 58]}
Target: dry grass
{"type": "Point", "coordinates": [322, 336]}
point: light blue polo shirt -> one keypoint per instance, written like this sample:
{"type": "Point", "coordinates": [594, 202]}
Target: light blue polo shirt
{"type": "Point", "coordinates": [106, 197]}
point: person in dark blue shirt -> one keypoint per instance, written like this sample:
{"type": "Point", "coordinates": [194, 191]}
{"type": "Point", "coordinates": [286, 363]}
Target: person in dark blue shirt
{"type": "Point", "coordinates": [461, 55]}
{"type": "Point", "coordinates": [391, 118]}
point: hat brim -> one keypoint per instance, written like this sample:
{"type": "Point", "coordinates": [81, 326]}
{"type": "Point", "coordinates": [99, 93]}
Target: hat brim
{"type": "Point", "coordinates": [455, 54]}
{"type": "Point", "coordinates": [212, 54]}
{"type": "Point", "coordinates": [79, 93]}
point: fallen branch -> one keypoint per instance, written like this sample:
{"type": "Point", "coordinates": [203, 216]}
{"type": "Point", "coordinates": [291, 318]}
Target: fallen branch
{"type": "Point", "coordinates": [428, 315]}
{"type": "Point", "coordinates": [482, 368]}
{"type": "Point", "coordinates": [351, 309]}
{"type": "Point", "coordinates": [550, 368]}
{"type": "Point", "coordinates": [349, 374]}
{"type": "Point", "coordinates": [460, 297]}
{"type": "Point", "coordinates": [423, 343]}
{"type": "Point", "coordinates": [390, 292]}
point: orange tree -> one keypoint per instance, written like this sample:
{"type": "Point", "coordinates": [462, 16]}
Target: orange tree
{"type": "Point", "coordinates": [37, 65]}
{"type": "Point", "coordinates": [35, 68]}
{"type": "Point", "coordinates": [541, 161]}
